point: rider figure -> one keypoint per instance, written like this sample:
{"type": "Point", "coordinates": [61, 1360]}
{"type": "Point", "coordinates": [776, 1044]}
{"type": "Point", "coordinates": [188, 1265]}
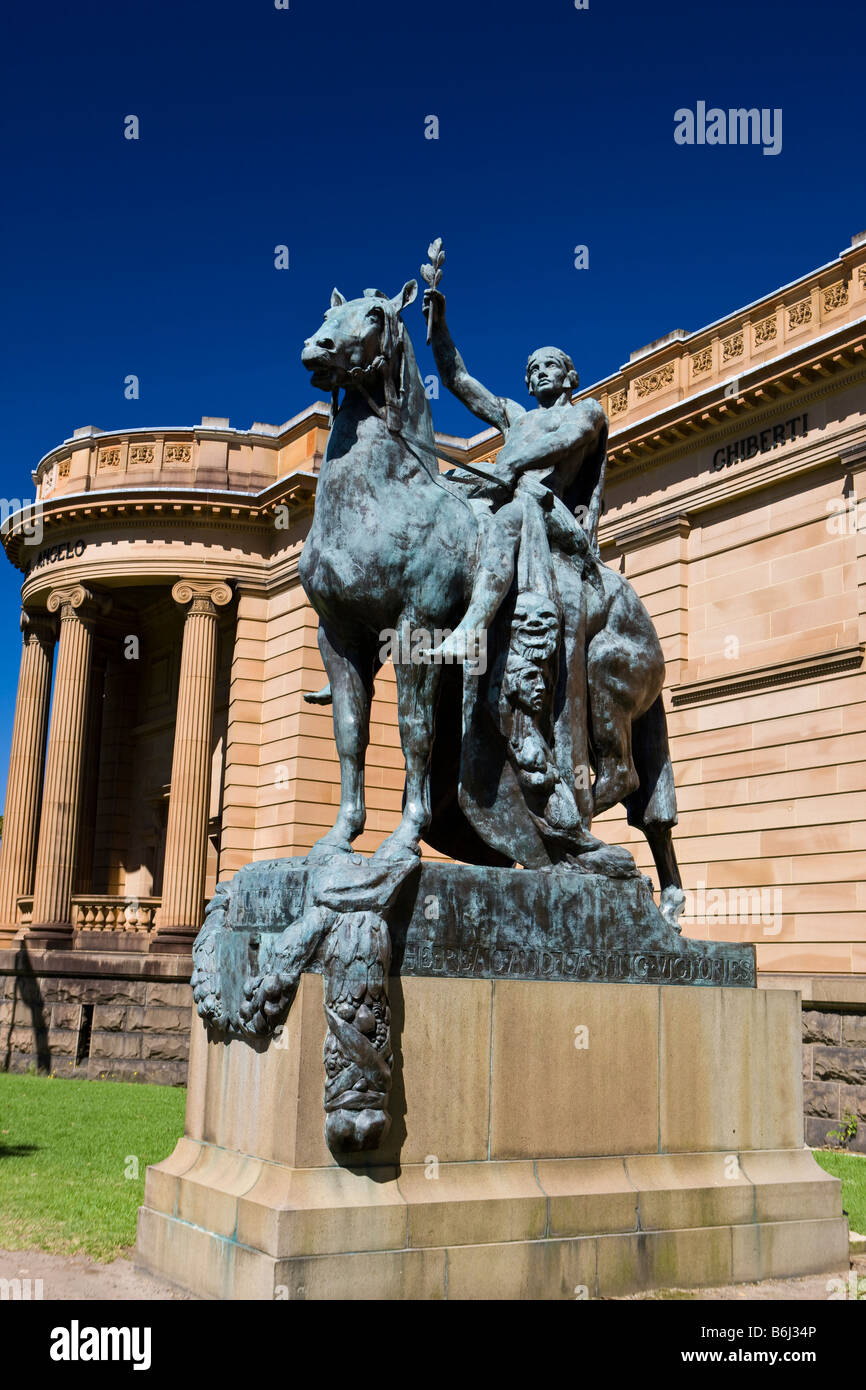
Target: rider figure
{"type": "Point", "coordinates": [549, 454]}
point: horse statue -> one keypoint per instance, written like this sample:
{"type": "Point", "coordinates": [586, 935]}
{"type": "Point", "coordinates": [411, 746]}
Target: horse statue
{"type": "Point", "coordinates": [394, 547]}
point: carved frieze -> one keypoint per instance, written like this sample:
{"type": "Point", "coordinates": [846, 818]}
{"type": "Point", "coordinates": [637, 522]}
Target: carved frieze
{"type": "Point", "coordinates": [655, 381]}
{"type": "Point", "coordinates": [800, 313]}
{"type": "Point", "coordinates": [765, 331]}
{"type": "Point", "coordinates": [108, 458]}
{"type": "Point", "coordinates": [178, 453]}
{"type": "Point", "coordinates": [835, 296]}
{"type": "Point", "coordinates": [702, 361]}
{"type": "Point", "coordinates": [617, 403]}
{"type": "Point", "coordinates": [732, 347]}
{"type": "Point", "coordinates": [141, 453]}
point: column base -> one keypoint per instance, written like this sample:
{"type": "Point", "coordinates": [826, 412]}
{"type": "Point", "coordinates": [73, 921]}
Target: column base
{"type": "Point", "coordinates": [8, 932]}
{"type": "Point", "coordinates": [173, 941]}
{"type": "Point", "coordinates": [49, 936]}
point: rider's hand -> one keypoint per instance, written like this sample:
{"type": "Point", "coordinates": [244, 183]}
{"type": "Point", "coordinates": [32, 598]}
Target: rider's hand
{"type": "Point", "coordinates": [433, 306]}
{"type": "Point", "coordinates": [537, 489]}
{"type": "Point", "coordinates": [506, 475]}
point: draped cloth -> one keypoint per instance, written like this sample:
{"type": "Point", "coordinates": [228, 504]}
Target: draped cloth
{"type": "Point", "coordinates": [490, 794]}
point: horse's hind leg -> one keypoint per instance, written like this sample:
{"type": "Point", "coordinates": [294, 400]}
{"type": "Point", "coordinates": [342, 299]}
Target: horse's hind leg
{"type": "Point", "coordinates": [351, 671]}
{"type": "Point", "coordinates": [672, 899]}
{"type": "Point", "coordinates": [652, 807]}
{"type": "Point", "coordinates": [611, 675]}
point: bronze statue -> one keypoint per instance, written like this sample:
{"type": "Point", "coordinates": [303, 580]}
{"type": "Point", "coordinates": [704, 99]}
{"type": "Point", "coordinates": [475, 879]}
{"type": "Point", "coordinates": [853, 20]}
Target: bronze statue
{"type": "Point", "coordinates": [508, 760]}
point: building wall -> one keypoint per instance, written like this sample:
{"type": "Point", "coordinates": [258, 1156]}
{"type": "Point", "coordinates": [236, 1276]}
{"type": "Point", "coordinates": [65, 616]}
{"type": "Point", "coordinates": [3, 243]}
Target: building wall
{"type": "Point", "coordinates": [756, 586]}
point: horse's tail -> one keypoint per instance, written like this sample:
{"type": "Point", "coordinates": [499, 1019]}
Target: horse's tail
{"type": "Point", "coordinates": [653, 806]}
{"type": "Point", "coordinates": [654, 802]}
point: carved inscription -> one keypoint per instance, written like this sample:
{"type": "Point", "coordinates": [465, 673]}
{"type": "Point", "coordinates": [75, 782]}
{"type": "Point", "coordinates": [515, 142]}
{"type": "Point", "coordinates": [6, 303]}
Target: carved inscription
{"type": "Point", "coordinates": [514, 963]}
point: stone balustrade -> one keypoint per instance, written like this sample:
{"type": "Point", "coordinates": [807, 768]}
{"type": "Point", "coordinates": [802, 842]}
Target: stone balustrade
{"type": "Point", "coordinates": [105, 912]}
{"type": "Point", "coordinates": [101, 912]}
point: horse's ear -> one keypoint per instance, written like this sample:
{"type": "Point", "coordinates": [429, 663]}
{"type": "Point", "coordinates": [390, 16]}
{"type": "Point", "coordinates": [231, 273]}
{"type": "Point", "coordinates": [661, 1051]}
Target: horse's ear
{"type": "Point", "coordinates": [407, 295]}
{"type": "Point", "coordinates": [336, 298]}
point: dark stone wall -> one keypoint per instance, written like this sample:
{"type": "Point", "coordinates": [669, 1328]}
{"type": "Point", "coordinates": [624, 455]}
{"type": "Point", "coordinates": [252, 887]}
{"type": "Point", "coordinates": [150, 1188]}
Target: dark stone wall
{"type": "Point", "coordinates": [97, 1015]}
{"type": "Point", "coordinates": [834, 1072]}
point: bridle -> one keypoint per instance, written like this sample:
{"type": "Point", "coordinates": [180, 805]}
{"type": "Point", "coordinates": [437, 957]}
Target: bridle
{"type": "Point", "coordinates": [392, 414]}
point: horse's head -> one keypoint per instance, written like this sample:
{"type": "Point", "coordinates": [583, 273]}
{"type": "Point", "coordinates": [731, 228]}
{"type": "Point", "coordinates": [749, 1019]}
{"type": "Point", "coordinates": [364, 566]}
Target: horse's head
{"type": "Point", "coordinates": [358, 339]}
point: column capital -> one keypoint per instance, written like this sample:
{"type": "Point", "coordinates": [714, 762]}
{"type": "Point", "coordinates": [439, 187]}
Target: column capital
{"type": "Point", "coordinates": [204, 595]}
{"type": "Point", "coordinates": [38, 624]}
{"type": "Point", "coordinates": [76, 601]}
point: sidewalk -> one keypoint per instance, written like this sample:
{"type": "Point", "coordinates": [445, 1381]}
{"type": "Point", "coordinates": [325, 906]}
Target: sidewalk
{"type": "Point", "coordinates": [80, 1280]}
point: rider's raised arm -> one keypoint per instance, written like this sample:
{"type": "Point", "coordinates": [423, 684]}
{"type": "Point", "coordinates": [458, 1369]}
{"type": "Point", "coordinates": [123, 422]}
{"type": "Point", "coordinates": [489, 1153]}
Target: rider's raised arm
{"type": "Point", "coordinates": [452, 368]}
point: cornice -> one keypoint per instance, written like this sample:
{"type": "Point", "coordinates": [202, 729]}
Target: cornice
{"type": "Point", "coordinates": [244, 513]}
{"type": "Point", "coordinates": [651, 532]}
{"type": "Point", "coordinates": [694, 422]}
{"type": "Point", "coordinates": [853, 458]}
{"type": "Point", "coordinates": [807, 668]}
{"type": "Point", "coordinates": [709, 492]}
{"type": "Point", "coordinates": [283, 573]}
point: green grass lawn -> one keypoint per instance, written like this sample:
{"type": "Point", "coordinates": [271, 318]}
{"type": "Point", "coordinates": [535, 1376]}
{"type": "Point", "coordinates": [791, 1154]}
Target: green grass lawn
{"type": "Point", "coordinates": [851, 1168]}
{"type": "Point", "coordinates": [73, 1156]}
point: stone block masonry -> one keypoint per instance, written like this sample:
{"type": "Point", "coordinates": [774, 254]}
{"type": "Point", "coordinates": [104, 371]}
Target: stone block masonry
{"type": "Point", "coordinates": [834, 1070]}
{"type": "Point", "coordinates": [95, 1015]}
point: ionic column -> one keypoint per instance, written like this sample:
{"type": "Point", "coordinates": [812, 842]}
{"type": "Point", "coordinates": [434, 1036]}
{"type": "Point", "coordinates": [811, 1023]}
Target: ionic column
{"type": "Point", "coordinates": [181, 912]}
{"type": "Point", "coordinates": [26, 764]}
{"type": "Point", "coordinates": [61, 796]}
{"type": "Point", "coordinates": [90, 772]}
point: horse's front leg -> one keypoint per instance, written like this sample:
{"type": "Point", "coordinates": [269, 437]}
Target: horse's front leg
{"type": "Point", "coordinates": [351, 671]}
{"type": "Point", "coordinates": [417, 683]}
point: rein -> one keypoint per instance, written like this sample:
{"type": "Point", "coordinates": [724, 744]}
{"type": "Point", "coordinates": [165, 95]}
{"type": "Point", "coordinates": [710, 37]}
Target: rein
{"type": "Point", "coordinates": [391, 418]}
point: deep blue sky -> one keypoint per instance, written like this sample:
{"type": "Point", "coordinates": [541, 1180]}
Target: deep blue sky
{"type": "Point", "coordinates": [306, 127]}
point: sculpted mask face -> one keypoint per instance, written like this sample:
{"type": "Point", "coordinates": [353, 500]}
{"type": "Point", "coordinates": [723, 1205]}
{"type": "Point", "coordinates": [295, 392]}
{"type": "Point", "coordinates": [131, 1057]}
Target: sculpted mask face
{"type": "Point", "coordinates": [355, 333]}
{"type": "Point", "coordinates": [535, 627]}
{"type": "Point", "coordinates": [531, 690]}
{"type": "Point", "coordinates": [549, 372]}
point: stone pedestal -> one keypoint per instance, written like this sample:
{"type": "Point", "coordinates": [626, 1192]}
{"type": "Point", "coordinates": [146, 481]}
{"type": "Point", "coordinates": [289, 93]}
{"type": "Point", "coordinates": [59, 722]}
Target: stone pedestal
{"type": "Point", "coordinates": [548, 1140]}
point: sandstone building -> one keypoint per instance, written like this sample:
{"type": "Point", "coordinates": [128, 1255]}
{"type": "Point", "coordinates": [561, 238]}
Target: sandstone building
{"type": "Point", "coordinates": [160, 739]}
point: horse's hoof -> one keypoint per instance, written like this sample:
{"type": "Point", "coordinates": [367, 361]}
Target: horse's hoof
{"type": "Point", "coordinates": [671, 905]}
{"type": "Point", "coordinates": [393, 851]}
{"type": "Point", "coordinates": [326, 849]}
{"type": "Point", "coordinates": [319, 697]}
{"type": "Point", "coordinates": [611, 861]}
